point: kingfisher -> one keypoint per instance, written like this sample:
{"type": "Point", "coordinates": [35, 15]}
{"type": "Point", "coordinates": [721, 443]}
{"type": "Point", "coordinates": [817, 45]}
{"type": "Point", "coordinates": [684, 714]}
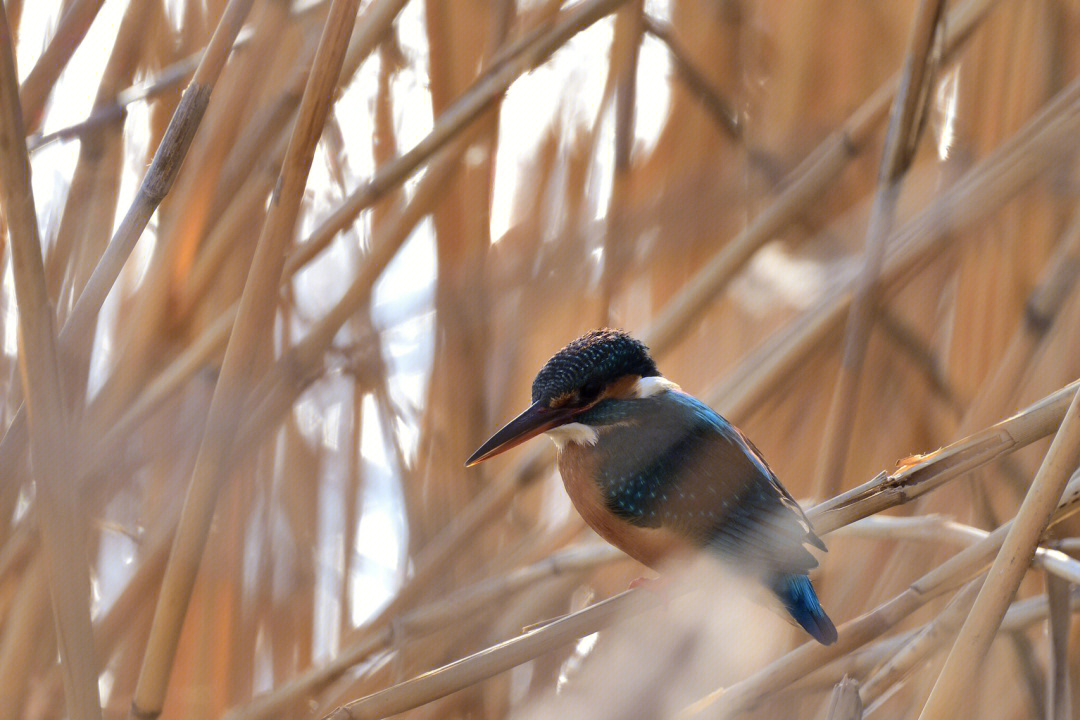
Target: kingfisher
{"type": "Point", "coordinates": [655, 471]}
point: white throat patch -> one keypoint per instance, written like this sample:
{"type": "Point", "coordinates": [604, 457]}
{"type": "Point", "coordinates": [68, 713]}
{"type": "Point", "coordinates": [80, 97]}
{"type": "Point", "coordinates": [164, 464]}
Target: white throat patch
{"type": "Point", "coordinates": [572, 433]}
{"type": "Point", "coordinates": [649, 386]}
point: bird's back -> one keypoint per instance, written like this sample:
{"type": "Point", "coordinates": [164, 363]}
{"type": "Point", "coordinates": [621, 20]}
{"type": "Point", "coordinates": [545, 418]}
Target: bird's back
{"type": "Point", "coordinates": [670, 463]}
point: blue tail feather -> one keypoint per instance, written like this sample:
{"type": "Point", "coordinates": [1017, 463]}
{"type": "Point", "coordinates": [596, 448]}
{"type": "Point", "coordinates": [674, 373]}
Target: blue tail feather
{"type": "Point", "coordinates": [798, 596]}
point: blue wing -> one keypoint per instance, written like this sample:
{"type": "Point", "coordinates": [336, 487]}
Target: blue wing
{"type": "Point", "coordinates": [671, 461]}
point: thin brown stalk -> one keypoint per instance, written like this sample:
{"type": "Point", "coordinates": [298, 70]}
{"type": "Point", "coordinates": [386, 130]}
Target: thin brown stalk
{"type": "Point", "coordinates": [440, 683]}
{"type": "Point", "coordinates": [59, 518]}
{"type": "Point", "coordinates": [1059, 692]}
{"type": "Point", "coordinates": [1042, 308]}
{"type": "Point", "coordinates": [718, 106]}
{"type": "Point", "coordinates": [905, 120]}
{"type": "Point", "coordinates": [1008, 569]}
{"type": "Point", "coordinates": [91, 198]}
{"type": "Point", "coordinates": [928, 640]}
{"type": "Point", "coordinates": [257, 305]}
{"type": "Point", "coordinates": [938, 530]}
{"type": "Point", "coordinates": [866, 661]}
{"type": "Point", "coordinates": [23, 626]}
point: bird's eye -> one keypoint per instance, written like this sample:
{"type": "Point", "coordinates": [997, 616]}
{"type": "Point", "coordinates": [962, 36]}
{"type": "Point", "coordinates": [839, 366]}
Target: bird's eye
{"type": "Point", "coordinates": [590, 390]}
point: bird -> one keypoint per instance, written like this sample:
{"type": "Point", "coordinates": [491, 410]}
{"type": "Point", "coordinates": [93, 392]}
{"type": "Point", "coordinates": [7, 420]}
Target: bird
{"type": "Point", "coordinates": [655, 471]}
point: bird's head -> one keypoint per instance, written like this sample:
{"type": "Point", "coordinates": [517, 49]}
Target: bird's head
{"type": "Point", "coordinates": [598, 365]}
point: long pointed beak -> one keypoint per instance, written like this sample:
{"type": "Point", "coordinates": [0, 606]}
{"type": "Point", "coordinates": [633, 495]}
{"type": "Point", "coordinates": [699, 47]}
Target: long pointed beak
{"type": "Point", "coordinates": [537, 419]}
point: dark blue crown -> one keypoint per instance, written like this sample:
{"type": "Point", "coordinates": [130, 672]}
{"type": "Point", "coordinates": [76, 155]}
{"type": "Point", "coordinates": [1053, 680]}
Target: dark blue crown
{"type": "Point", "coordinates": [588, 364]}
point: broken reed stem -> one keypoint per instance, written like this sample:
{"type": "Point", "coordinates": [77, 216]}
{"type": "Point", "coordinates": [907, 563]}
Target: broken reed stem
{"type": "Point", "coordinates": [254, 318]}
{"type": "Point", "coordinates": [804, 184]}
{"type": "Point", "coordinates": [1008, 570]}
{"type": "Point", "coordinates": [486, 663]}
{"type": "Point", "coordinates": [59, 517]}
{"type": "Point", "coordinates": [845, 703]}
{"type": "Point", "coordinates": [921, 474]}
{"type": "Point", "coordinates": [1058, 691]}
{"type": "Point", "coordinates": [905, 121]}
{"type": "Point", "coordinates": [78, 331]}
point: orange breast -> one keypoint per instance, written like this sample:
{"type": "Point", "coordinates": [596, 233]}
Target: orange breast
{"type": "Point", "coordinates": [649, 546]}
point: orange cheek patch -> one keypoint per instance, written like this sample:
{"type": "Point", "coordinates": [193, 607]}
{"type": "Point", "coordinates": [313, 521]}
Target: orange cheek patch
{"type": "Point", "coordinates": [621, 388]}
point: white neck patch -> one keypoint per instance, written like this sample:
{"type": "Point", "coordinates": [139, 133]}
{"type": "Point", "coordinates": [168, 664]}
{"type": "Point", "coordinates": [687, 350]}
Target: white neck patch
{"type": "Point", "coordinates": [572, 433]}
{"type": "Point", "coordinates": [649, 386]}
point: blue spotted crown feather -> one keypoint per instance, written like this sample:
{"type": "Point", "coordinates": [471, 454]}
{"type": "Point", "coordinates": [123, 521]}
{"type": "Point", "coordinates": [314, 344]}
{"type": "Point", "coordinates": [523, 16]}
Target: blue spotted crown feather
{"type": "Point", "coordinates": [591, 361]}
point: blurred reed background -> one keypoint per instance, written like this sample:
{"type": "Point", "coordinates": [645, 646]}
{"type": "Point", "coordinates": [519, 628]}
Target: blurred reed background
{"type": "Point", "coordinates": [247, 496]}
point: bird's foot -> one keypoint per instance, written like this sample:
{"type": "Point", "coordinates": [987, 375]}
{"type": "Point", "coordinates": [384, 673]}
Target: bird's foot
{"type": "Point", "coordinates": [652, 584]}
{"type": "Point", "coordinates": [657, 587]}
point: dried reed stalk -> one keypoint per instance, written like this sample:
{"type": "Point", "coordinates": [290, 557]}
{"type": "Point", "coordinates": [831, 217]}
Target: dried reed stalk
{"type": "Point", "coordinates": [945, 577]}
{"type": "Point", "coordinates": [922, 473]}
{"type": "Point", "coordinates": [878, 656]}
{"type": "Point", "coordinates": [254, 314]}
{"type": "Point", "coordinates": [993, 180]}
{"type": "Point", "coordinates": [727, 117]}
{"type": "Point", "coordinates": [1008, 569]}
{"type": "Point", "coordinates": [77, 332]}
{"type": "Point", "coordinates": [901, 139]}
{"type": "Point", "coordinates": [467, 671]}
{"type": "Point", "coordinates": [59, 519]}
{"type": "Point", "coordinates": [927, 641]}
{"type": "Point", "coordinates": [427, 619]}
{"type": "Point", "coordinates": [937, 530]}
{"type": "Point", "coordinates": [1059, 692]}
{"type": "Point", "coordinates": [806, 183]}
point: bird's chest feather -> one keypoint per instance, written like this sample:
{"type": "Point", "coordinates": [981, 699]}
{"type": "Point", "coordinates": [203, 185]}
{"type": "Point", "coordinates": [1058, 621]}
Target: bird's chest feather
{"type": "Point", "coordinates": [578, 466]}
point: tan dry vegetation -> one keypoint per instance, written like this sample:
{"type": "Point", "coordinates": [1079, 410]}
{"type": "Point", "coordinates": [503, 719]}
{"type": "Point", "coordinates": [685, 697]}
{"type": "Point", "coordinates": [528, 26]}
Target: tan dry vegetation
{"type": "Point", "coordinates": [855, 234]}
